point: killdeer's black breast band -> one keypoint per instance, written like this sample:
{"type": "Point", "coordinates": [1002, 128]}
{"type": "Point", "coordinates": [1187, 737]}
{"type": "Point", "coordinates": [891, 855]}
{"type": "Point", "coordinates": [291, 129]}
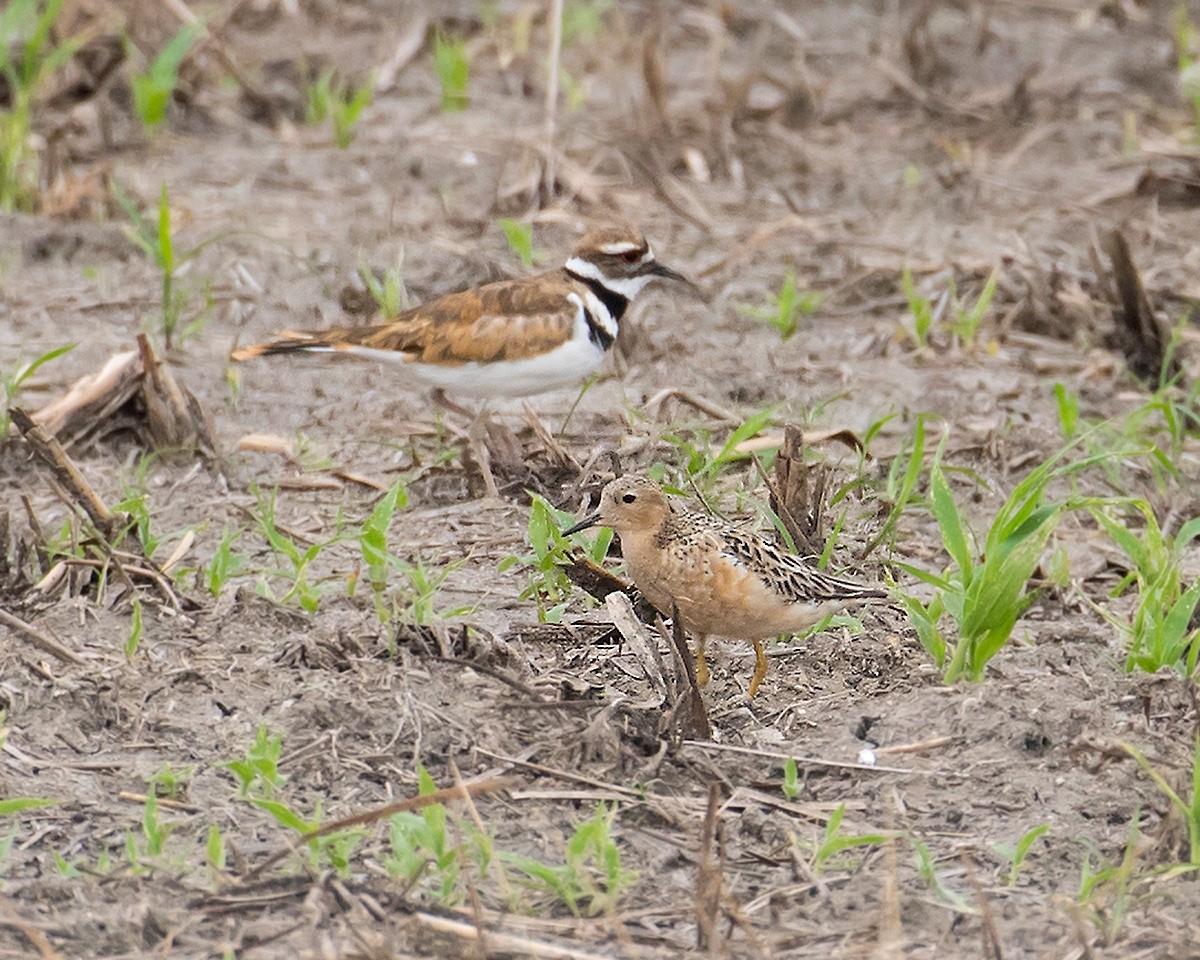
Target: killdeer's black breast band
{"type": "Point", "coordinates": [614, 302]}
{"type": "Point", "coordinates": [596, 332]}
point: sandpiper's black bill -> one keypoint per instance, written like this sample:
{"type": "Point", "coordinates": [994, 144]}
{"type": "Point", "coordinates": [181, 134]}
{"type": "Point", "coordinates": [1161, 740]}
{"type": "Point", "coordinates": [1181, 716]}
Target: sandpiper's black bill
{"type": "Point", "coordinates": [589, 521]}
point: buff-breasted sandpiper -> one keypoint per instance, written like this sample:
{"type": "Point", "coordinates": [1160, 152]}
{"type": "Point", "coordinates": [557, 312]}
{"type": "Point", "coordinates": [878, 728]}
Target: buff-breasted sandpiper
{"type": "Point", "coordinates": [725, 581]}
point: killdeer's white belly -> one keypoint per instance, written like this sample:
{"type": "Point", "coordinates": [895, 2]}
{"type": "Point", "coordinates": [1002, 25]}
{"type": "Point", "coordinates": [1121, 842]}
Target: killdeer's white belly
{"type": "Point", "coordinates": [564, 366]}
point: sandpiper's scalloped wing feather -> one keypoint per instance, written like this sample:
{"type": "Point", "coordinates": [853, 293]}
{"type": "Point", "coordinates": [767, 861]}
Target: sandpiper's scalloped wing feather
{"type": "Point", "coordinates": [792, 577]}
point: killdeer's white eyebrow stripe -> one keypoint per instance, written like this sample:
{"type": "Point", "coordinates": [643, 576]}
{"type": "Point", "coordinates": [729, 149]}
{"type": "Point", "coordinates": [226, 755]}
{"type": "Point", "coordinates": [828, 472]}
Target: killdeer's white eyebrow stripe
{"type": "Point", "coordinates": [618, 248]}
{"type": "Point", "coordinates": [628, 287]}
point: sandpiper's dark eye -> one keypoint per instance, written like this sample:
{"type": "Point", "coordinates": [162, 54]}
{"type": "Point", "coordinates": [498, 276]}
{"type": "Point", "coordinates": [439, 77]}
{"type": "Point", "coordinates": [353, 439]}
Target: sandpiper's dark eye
{"type": "Point", "coordinates": [629, 498]}
{"type": "Point", "coordinates": [631, 256]}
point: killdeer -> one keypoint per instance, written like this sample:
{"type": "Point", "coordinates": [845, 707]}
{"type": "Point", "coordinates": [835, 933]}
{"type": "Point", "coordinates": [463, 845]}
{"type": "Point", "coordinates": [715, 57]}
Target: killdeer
{"type": "Point", "coordinates": [725, 581]}
{"type": "Point", "coordinates": [507, 339]}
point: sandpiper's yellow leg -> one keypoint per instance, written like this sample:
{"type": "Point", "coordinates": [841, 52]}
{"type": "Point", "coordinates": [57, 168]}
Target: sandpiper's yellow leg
{"type": "Point", "coordinates": [760, 667]}
{"type": "Point", "coordinates": [701, 663]}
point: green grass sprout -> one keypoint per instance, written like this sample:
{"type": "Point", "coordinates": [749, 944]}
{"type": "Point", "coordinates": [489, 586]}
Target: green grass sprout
{"type": "Point", "coordinates": [330, 97]}
{"type": "Point", "coordinates": [453, 70]}
{"type": "Point", "coordinates": [28, 58]}
{"type": "Point", "coordinates": [783, 312]}
{"type": "Point", "coordinates": [1016, 853]}
{"type": "Point", "coordinates": [14, 381]}
{"type": "Point", "coordinates": [152, 90]}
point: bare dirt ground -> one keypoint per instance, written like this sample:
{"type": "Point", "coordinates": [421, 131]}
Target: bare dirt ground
{"type": "Point", "coordinates": [839, 141]}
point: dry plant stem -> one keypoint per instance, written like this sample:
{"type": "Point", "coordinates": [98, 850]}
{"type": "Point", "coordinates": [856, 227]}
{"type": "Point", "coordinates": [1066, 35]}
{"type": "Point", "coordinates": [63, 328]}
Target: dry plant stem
{"type": "Point", "coordinates": [52, 454]}
{"type": "Point", "coordinates": [554, 61]}
{"type": "Point", "coordinates": [987, 917]}
{"type": "Point", "coordinates": [560, 774]}
{"type": "Point", "coordinates": [93, 398]}
{"type": "Point", "coordinates": [174, 417]}
{"type": "Point", "coordinates": [891, 931]}
{"type": "Point", "coordinates": [1140, 334]}
{"type": "Point", "coordinates": [165, 802]}
{"type": "Point", "coordinates": [493, 785]}
{"type": "Point", "coordinates": [39, 639]}
{"type": "Point", "coordinates": [633, 631]}
{"type": "Point", "coordinates": [708, 874]}
{"type": "Point", "coordinates": [552, 446]}
{"type": "Point", "coordinates": [704, 405]}
{"type": "Point", "coordinates": [126, 571]}
{"type": "Point", "coordinates": [32, 933]}
{"type": "Point", "coordinates": [919, 747]}
{"type": "Point", "coordinates": [494, 674]}
{"type": "Point", "coordinates": [810, 761]}
{"type": "Point", "coordinates": [472, 811]}
{"type": "Point", "coordinates": [504, 943]}
{"type": "Point", "coordinates": [599, 583]}
{"type": "Point", "coordinates": [698, 725]}
{"type": "Point", "coordinates": [797, 493]}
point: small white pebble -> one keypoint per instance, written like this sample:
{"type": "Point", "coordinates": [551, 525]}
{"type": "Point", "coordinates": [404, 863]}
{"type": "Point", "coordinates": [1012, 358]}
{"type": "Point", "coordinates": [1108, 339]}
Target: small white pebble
{"type": "Point", "coordinates": [469, 159]}
{"type": "Point", "coordinates": [866, 756]}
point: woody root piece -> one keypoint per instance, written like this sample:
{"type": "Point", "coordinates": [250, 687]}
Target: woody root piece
{"type": "Point", "coordinates": [137, 390]}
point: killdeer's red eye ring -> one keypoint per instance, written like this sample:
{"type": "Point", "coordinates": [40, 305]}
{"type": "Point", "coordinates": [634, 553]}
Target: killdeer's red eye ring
{"type": "Point", "coordinates": [631, 256]}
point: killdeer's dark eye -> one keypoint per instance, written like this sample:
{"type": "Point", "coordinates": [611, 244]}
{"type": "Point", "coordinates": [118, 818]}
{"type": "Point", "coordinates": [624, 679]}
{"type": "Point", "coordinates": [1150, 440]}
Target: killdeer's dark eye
{"type": "Point", "coordinates": [629, 498]}
{"type": "Point", "coordinates": [631, 256]}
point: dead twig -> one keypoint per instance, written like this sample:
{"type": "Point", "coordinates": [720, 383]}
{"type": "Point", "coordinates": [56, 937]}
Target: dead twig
{"type": "Point", "coordinates": [221, 52]}
{"type": "Point", "coordinates": [919, 747]}
{"type": "Point", "coordinates": [704, 405]}
{"type": "Point", "coordinates": [37, 939]}
{"type": "Point", "coordinates": [599, 583]}
{"type": "Point", "coordinates": [1140, 334]}
{"type": "Point", "coordinates": [797, 493]}
{"type": "Point", "coordinates": [173, 415]}
{"type": "Point", "coordinates": [690, 701]}
{"type": "Point", "coordinates": [445, 795]}
{"type": "Point", "coordinates": [633, 632]}
{"type": "Point", "coordinates": [553, 66]}
{"type": "Point", "coordinates": [40, 640]}
{"type": "Point", "coordinates": [802, 761]}
{"type": "Point", "coordinates": [504, 943]}
{"type": "Point", "coordinates": [987, 917]}
{"type": "Point", "coordinates": [165, 802]}
{"type": "Point", "coordinates": [494, 674]}
{"type": "Point", "coordinates": [51, 453]}
{"type": "Point", "coordinates": [709, 877]}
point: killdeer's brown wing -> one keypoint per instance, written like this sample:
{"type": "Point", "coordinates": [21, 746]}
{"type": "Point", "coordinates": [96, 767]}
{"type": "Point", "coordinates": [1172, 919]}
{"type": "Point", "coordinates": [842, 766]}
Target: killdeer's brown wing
{"type": "Point", "coordinates": [508, 320]}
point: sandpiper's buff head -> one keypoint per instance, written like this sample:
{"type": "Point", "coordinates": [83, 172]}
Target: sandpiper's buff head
{"type": "Point", "coordinates": [633, 504]}
{"type": "Point", "coordinates": [621, 259]}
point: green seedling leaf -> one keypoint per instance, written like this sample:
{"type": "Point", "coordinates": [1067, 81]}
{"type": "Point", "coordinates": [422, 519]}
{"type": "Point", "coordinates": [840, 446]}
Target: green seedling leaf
{"type": "Point", "coordinates": [214, 848]}
{"type": "Point", "coordinates": [919, 306]}
{"type": "Point", "coordinates": [520, 239]}
{"type": "Point", "coordinates": [135, 631]}
{"type": "Point", "coordinates": [29, 369]}
{"type": "Point", "coordinates": [285, 816]}
{"type": "Point", "coordinates": [1068, 411]}
{"type": "Point", "coordinates": [453, 70]}
{"type": "Point", "coordinates": [945, 511]}
{"type": "Point", "coordinates": [11, 805]}
{"type": "Point", "coordinates": [1016, 853]}
{"type": "Point", "coordinates": [153, 89]}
